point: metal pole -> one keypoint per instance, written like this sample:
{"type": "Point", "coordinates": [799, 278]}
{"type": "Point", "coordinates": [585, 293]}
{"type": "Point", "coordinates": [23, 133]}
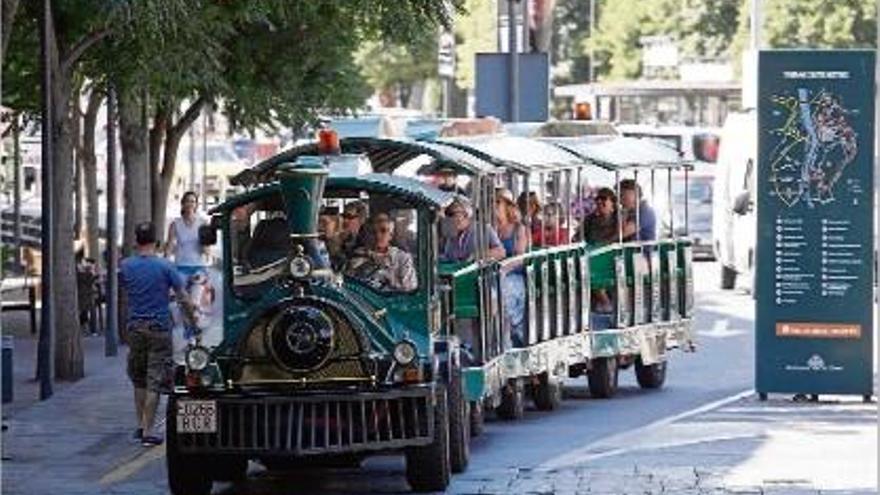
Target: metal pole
{"type": "Point", "coordinates": [192, 159]}
{"type": "Point", "coordinates": [447, 85]}
{"type": "Point", "coordinates": [592, 32]}
{"type": "Point", "coordinates": [876, 204]}
{"type": "Point", "coordinates": [112, 286]}
{"type": "Point", "coordinates": [16, 193]}
{"type": "Point", "coordinates": [202, 186]}
{"type": "Point", "coordinates": [514, 60]}
{"type": "Point", "coordinates": [756, 18]}
{"type": "Point", "coordinates": [45, 346]}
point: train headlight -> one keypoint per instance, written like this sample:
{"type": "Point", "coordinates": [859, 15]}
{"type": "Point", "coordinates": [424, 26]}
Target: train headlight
{"type": "Point", "coordinates": [300, 267]}
{"type": "Point", "coordinates": [197, 358]}
{"type": "Point", "coordinates": [404, 353]}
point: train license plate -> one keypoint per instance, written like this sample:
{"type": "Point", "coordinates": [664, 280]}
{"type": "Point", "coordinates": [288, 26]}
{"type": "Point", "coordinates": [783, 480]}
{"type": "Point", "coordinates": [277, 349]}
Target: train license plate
{"type": "Point", "coordinates": [197, 416]}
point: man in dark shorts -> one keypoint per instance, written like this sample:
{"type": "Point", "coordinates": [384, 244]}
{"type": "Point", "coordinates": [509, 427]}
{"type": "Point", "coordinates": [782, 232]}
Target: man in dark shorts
{"type": "Point", "coordinates": [148, 280]}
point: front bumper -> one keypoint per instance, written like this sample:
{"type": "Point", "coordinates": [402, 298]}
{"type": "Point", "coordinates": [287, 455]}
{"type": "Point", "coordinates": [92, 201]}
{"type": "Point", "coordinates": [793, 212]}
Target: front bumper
{"type": "Point", "coordinates": [315, 424]}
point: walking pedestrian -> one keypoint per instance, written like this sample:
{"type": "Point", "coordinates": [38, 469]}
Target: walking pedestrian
{"type": "Point", "coordinates": [183, 237]}
{"type": "Point", "coordinates": [148, 280]}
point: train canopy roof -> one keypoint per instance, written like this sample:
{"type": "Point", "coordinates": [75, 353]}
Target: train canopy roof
{"type": "Point", "coordinates": [519, 153]}
{"type": "Point", "coordinates": [410, 189]}
{"type": "Point", "coordinates": [617, 152]}
{"type": "Point", "coordinates": [385, 155]}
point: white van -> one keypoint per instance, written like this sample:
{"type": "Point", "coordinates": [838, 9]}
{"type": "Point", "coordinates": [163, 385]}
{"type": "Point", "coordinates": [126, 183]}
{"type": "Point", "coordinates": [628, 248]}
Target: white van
{"type": "Point", "coordinates": [734, 213]}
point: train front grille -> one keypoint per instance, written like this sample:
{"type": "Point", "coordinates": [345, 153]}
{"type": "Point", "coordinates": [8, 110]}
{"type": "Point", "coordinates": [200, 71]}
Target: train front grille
{"type": "Point", "coordinates": [317, 425]}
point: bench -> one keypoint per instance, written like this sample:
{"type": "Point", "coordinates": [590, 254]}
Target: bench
{"type": "Point", "coordinates": [30, 305]}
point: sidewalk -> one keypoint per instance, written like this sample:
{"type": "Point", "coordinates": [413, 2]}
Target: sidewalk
{"type": "Point", "coordinates": [65, 444]}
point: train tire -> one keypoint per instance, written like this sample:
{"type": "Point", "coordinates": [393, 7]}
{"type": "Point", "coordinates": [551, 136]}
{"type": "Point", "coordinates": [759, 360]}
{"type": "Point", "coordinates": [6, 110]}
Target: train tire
{"type": "Point", "coordinates": [602, 377]}
{"type": "Point", "coordinates": [230, 469]}
{"type": "Point", "coordinates": [459, 425]}
{"type": "Point", "coordinates": [728, 277]}
{"type": "Point", "coordinates": [513, 400]}
{"type": "Point", "coordinates": [547, 394]}
{"type": "Point", "coordinates": [651, 375]}
{"type": "Point", "coordinates": [478, 418]}
{"type": "Point", "coordinates": [187, 474]}
{"type": "Point", "coordinates": [427, 468]}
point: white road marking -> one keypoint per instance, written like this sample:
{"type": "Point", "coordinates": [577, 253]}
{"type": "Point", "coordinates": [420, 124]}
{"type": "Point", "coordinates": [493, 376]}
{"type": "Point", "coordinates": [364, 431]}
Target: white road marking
{"type": "Point", "coordinates": [607, 446]}
{"type": "Point", "coordinates": [720, 330]}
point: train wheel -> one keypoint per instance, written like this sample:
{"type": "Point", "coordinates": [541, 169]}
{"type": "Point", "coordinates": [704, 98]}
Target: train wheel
{"type": "Point", "coordinates": [651, 375]}
{"type": "Point", "coordinates": [187, 474]}
{"type": "Point", "coordinates": [547, 394]}
{"type": "Point", "coordinates": [459, 425]}
{"type": "Point", "coordinates": [230, 469]}
{"type": "Point", "coordinates": [602, 377]}
{"type": "Point", "coordinates": [427, 468]}
{"type": "Point", "coordinates": [728, 277]}
{"type": "Point", "coordinates": [513, 400]}
{"type": "Point", "coordinates": [477, 418]}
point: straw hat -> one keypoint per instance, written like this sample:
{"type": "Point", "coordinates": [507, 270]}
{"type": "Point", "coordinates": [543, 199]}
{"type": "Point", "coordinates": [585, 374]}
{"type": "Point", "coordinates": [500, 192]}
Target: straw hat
{"type": "Point", "coordinates": [504, 194]}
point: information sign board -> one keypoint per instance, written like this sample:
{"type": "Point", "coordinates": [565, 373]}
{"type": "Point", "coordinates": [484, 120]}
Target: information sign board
{"type": "Point", "coordinates": [814, 286]}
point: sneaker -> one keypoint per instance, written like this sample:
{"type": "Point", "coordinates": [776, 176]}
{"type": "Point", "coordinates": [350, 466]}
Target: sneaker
{"type": "Point", "coordinates": [151, 441]}
{"type": "Point", "coordinates": [138, 434]}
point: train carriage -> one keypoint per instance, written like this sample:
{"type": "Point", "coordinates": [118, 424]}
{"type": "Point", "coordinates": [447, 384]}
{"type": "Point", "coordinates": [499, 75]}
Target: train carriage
{"type": "Point", "coordinates": [317, 361]}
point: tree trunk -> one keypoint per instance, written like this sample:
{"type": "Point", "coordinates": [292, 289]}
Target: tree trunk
{"type": "Point", "coordinates": [159, 198]}
{"type": "Point", "coordinates": [134, 141]}
{"type": "Point", "coordinates": [173, 135]}
{"type": "Point", "coordinates": [9, 9]}
{"type": "Point", "coordinates": [68, 343]}
{"type": "Point", "coordinates": [90, 175]}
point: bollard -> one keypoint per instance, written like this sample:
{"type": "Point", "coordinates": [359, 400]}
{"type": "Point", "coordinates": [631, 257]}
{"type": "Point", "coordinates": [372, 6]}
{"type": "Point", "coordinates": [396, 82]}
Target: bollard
{"type": "Point", "coordinates": [6, 365]}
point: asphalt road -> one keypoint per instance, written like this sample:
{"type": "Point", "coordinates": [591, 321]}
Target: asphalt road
{"type": "Point", "coordinates": [721, 368]}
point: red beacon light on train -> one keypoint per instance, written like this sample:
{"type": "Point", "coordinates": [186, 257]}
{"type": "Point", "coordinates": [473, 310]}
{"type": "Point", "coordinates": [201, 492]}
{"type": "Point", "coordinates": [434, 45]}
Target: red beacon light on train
{"type": "Point", "coordinates": [583, 111]}
{"type": "Point", "coordinates": [328, 142]}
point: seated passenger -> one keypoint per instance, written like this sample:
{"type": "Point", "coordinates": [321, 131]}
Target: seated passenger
{"type": "Point", "coordinates": [462, 244]}
{"type": "Point", "coordinates": [353, 234]}
{"type": "Point", "coordinates": [630, 200]}
{"type": "Point", "coordinates": [600, 227]}
{"type": "Point", "coordinates": [513, 237]}
{"type": "Point", "coordinates": [530, 210]}
{"type": "Point", "coordinates": [383, 266]}
{"type": "Point", "coordinates": [510, 229]}
{"type": "Point", "coordinates": [404, 235]}
{"type": "Point", "coordinates": [328, 233]}
{"type": "Point", "coordinates": [555, 232]}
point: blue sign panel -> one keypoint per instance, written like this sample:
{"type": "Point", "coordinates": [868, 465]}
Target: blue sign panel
{"type": "Point", "coordinates": [814, 319]}
{"type": "Point", "coordinates": [493, 86]}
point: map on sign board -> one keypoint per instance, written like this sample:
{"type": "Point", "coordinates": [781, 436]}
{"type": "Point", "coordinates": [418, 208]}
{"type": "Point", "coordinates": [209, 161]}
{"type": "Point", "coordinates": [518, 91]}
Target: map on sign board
{"type": "Point", "coordinates": [814, 145]}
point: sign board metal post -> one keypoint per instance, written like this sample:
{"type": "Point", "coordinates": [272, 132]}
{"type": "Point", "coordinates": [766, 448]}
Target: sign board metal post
{"type": "Point", "coordinates": [814, 291]}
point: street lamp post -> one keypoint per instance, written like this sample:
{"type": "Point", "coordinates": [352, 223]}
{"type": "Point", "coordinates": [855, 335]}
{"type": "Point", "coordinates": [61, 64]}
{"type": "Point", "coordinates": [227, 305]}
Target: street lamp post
{"type": "Point", "coordinates": [514, 60]}
{"type": "Point", "coordinates": [45, 358]}
{"type": "Point", "coordinates": [112, 286]}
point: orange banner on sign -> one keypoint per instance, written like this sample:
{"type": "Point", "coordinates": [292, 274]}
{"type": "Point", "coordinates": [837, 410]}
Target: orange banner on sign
{"type": "Point", "coordinates": [819, 330]}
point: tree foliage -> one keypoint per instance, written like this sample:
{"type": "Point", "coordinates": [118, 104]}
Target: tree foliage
{"type": "Point", "coordinates": [475, 31]}
{"type": "Point", "coordinates": [396, 67]}
{"type": "Point", "coordinates": [701, 28]}
{"type": "Point", "coordinates": [811, 24]}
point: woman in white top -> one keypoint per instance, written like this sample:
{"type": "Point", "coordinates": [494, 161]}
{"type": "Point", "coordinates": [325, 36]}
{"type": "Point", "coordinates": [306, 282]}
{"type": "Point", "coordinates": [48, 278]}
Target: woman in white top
{"type": "Point", "coordinates": [183, 237]}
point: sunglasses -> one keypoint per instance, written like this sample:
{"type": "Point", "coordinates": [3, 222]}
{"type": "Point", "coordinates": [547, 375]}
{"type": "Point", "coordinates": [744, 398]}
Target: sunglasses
{"type": "Point", "coordinates": [349, 216]}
